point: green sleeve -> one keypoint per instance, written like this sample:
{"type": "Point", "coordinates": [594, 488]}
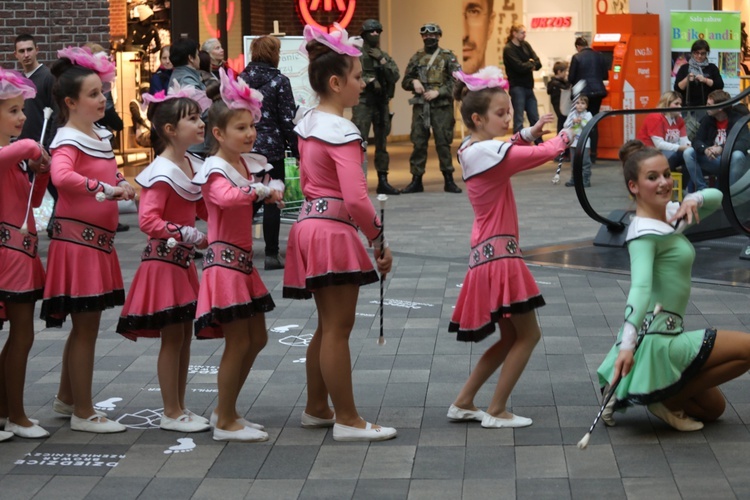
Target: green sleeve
{"type": "Point", "coordinates": [390, 70]}
{"type": "Point", "coordinates": [711, 201]}
{"type": "Point", "coordinates": [446, 89]}
{"type": "Point", "coordinates": [642, 255]}
{"type": "Point", "coordinates": [410, 75]}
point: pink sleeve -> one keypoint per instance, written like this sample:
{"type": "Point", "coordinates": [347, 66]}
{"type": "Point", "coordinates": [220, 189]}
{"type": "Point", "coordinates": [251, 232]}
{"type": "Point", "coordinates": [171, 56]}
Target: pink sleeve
{"type": "Point", "coordinates": [64, 175]}
{"type": "Point", "coordinates": [21, 150]}
{"type": "Point", "coordinates": [222, 193]}
{"type": "Point", "coordinates": [40, 186]}
{"type": "Point", "coordinates": [151, 213]}
{"type": "Point", "coordinates": [200, 209]}
{"type": "Point", "coordinates": [354, 188]}
{"type": "Point", "coordinates": [522, 156]}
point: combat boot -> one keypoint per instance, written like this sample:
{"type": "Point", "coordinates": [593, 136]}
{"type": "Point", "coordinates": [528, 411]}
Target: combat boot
{"type": "Point", "coordinates": [415, 186]}
{"type": "Point", "coordinates": [450, 186]}
{"type": "Point", "coordinates": [384, 187]}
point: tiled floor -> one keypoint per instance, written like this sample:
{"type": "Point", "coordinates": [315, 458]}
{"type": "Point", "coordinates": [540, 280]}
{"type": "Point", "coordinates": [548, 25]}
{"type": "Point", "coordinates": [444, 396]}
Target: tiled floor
{"type": "Point", "coordinates": [407, 383]}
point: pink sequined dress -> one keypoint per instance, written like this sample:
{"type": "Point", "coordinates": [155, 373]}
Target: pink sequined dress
{"type": "Point", "coordinates": [498, 283]}
{"type": "Point", "coordinates": [165, 287]}
{"type": "Point", "coordinates": [83, 272]}
{"type": "Point", "coordinates": [21, 270]}
{"type": "Point", "coordinates": [324, 247]}
{"type": "Point", "coordinates": [230, 288]}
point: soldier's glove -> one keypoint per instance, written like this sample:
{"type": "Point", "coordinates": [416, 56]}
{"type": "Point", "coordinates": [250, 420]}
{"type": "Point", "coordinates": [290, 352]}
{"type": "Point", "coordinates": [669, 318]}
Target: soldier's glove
{"type": "Point", "coordinates": [375, 53]}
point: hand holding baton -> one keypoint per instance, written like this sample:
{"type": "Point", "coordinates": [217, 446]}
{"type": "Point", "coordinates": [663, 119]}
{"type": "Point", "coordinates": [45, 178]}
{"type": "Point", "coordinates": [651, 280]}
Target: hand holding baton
{"type": "Point", "coordinates": [25, 227]}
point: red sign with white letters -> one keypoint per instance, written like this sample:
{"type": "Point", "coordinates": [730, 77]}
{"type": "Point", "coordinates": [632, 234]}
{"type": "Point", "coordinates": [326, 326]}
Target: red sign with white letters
{"type": "Point", "coordinates": [307, 10]}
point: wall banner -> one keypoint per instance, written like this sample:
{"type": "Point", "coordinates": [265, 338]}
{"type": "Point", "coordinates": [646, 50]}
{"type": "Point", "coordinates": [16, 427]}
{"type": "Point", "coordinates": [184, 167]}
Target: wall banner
{"type": "Point", "coordinates": [722, 32]}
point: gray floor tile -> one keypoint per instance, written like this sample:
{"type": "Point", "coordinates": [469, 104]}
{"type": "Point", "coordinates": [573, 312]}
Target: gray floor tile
{"type": "Point", "coordinates": [379, 489]}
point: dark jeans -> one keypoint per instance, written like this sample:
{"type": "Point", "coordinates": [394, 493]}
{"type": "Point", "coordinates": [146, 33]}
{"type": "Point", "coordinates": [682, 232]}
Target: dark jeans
{"type": "Point", "coordinates": [523, 99]}
{"type": "Point", "coordinates": [594, 104]}
{"type": "Point", "coordinates": [272, 213]}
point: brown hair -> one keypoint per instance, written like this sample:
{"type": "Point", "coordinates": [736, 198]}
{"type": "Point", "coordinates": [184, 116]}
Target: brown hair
{"type": "Point", "coordinates": [219, 115]}
{"type": "Point", "coordinates": [473, 101]}
{"type": "Point", "coordinates": [559, 66]}
{"type": "Point", "coordinates": [513, 29]}
{"type": "Point", "coordinates": [632, 154]}
{"type": "Point", "coordinates": [266, 49]}
{"type": "Point", "coordinates": [325, 63]}
{"type": "Point", "coordinates": [583, 99]}
{"type": "Point", "coordinates": [168, 112]}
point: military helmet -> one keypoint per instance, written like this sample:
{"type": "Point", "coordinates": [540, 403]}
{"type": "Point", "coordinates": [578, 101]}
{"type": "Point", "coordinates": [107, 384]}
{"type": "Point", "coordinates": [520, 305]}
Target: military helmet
{"type": "Point", "coordinates": [371, 25]}
{"type": "Point", "coordinates": [431, 28]}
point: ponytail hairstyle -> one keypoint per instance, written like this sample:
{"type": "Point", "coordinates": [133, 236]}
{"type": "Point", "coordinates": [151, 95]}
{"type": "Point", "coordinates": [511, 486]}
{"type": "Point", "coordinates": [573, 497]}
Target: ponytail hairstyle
{"type": "Point", "coordinates": [632, 154]}
{"type": "Point", "coordinates": [219, 115]}
{"type": "Point", "coordinates": [168, 112]}
{"type": "Point", "coordinates": [476, 91]}
{"type": "Point", "coordinates": [325, 63]}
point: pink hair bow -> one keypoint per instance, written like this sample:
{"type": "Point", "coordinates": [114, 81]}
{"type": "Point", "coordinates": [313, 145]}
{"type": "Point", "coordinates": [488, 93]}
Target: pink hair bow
{"type": "Point", "coordinates": [486, 78]}
{"type": "Point", "coordinates": [98, 63]}
{"type": "Point", "coordinates": [14, 84]}
{"type": "Point", "coordinates": [175, 92]}
{"type": "Point", "coordinates": [337, 40]}
{"type": "Point", "coordinates": [236, 94]}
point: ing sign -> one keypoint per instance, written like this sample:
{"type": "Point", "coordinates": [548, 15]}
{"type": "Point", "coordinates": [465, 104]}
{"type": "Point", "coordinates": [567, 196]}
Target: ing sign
{"type": "Point", "coordinates": [306, 9]}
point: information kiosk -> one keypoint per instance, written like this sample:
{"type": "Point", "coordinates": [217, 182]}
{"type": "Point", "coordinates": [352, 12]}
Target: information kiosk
{"type": "Point", "coordinates": [630, 45]}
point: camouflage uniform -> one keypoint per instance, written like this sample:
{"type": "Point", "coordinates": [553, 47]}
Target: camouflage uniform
{"type": "Point", "coordinates": [380, 73]}
{"type": "Point", "coordinates": [439, 76]}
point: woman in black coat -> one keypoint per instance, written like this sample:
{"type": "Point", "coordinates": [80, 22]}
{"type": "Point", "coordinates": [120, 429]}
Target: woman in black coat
{"type": "Point", "coordinates": [275, 129]}
{"type": "Point", "coordinates": [698, 78]}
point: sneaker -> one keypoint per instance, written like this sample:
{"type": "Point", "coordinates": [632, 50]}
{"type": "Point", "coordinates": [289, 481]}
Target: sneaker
{"type": "Point", "coordinates": [675, 419]}
{"type": "Point", "coordinates": [246, 423]}
{"type": "Point", "coordinates": [457, 414]}
{"type": "Point", "coordinates": [95, 424]}
{"type": "Point", "coordinates": [246, 434]}
{"type": "Point", "coordinates": [490, 422]}
{"type": "Point", "coordinates": [183, 424]}
{"type": "Point", "coordinates": [67, 410]}
{"type": "Point", "coordinates": [346, 433]}
{"type": "Point", "coordinates": [33, 432]}
{"type": "Point", "coordinates": [310, 422]}
{"type": "Point", "coordinates": [4, 436]}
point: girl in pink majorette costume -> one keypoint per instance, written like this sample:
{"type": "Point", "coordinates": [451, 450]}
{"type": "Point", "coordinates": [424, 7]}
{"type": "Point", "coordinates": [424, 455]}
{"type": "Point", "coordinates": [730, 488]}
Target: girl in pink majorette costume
{"type": "Point", "coordinates": [325, 257]}
{"type": "Point", "coordinates": [232, 299]}
{"type": "Point", "coordinates": [83, 272]}
{"type": "Point", "coordinates": [498, 287]}
{"type": "Point", "coordinates": [162, 298]}
{"type": "Point", "coordinates": [21, 271]}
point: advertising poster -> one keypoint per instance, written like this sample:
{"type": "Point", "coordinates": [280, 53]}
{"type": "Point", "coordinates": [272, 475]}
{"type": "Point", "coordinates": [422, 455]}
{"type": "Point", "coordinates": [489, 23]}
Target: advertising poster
{"type": "Point", "coordinates": [486, 28]}
{"type": "Point", "coordinates": [722, 32]}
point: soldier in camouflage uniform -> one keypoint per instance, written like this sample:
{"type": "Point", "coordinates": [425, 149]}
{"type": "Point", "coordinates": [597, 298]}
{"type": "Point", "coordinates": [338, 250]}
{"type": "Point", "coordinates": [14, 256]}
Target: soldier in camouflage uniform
{"type": "Point", "coordinates": [429, 75]}
{"type": "Point", "coordinates": [380, 73]}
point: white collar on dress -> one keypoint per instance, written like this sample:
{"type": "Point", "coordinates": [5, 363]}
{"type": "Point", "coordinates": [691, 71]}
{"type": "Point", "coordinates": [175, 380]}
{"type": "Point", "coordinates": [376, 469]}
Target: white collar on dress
{"type": "Point", "coordinates": [255, 163]}
{"type": "Point", "coordinates": [478, 157]}
{"type": "Point", "coordinates": [642, 226]}
{"type": "Point", "coordinates": [327, 127]}
{"type": "Point", "coordinates": [164, 170]}
{"type": "Point", "coordinates": [101, 148]}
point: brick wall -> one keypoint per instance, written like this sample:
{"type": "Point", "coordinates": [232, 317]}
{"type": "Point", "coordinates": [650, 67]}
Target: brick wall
{"type": "Point", "coordinates": [264, 12]}
{"type": "Point", "coordinates": [118, 18]}
{"type": "Point", "coordinates": [54, 24]}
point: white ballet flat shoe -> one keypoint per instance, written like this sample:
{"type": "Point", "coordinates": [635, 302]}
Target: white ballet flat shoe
{"type": "Point", "coordinates": [675, 419]}
{"type": "Point", "coordinates": [197, 418]}
{"type": "Point", "coordinates": [67, 410]}
{"type": "Point", "coordinates": [33, 432]}
{"type": "Point", "coordinates": [346, 433]}
{"type": "Point", "coordinates": [215, 418]}
{"type": "Point", "coordinates": [183, 424]}
{"type": "Point", "coordinates": [310, 422]}
{"type": "Point", "coordinates": [4, 436]}
{"type": "Point", "coordinates": [490, 422]}
{"type": "Point", "coordinates": [4, 420]}
{"type": "Point", "coordinates": [457, 414]}
{"type": "Point", "coordinates": [96, 424]}
{"type": "Point", "coordinates": [246, 435]}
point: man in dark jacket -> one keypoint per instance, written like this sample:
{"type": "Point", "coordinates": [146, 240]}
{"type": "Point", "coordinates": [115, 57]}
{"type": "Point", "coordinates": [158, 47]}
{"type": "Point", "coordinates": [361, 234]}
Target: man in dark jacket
{"type": "Point", "coordinates": [705, 155]}
{"type": "Point", "coordinates": [520, 63]}
{"type": "Point", "coordinates": [590, 66]}
{"type": "Point", "coordinates": [26, 52]}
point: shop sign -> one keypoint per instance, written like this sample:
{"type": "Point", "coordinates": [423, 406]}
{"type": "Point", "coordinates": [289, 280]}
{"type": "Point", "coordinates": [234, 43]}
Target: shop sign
{"type": "Point", "coordinates": [307, 10]}
{"type": "Point", "coordinates": [559, 22]}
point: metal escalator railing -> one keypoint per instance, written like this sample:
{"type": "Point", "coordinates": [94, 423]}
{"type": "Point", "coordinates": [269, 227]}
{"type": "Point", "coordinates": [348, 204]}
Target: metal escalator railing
{"type": "Point", "coordinates": [724, 180]}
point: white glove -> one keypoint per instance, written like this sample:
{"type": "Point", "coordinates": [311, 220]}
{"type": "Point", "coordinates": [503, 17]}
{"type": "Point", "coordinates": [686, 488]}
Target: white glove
{"type": "Point", "coordinates": [109, 191]}
{"type": "Point", "coordinates": [697, 196]}
{"type": "Point", "coordinates": [261, 190]}
{"type": "Point", "coordinates": [568, 133]}
{"type": "Point", "coordinates": [629, 336]}
{"type": "Point", "coordinates": [191, 235]}
{"type": "Point", "coordinates": [276, 185]}
{"type": "Point", "coordinates": [380, 243]}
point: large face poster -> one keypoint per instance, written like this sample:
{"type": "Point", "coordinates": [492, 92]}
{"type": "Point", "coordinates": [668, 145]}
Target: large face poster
{"type": "Point", "coordinates": [486, 27]}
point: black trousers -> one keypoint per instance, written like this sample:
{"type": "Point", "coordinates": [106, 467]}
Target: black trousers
{"type": "Point", "coordinates": [272, 213]}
